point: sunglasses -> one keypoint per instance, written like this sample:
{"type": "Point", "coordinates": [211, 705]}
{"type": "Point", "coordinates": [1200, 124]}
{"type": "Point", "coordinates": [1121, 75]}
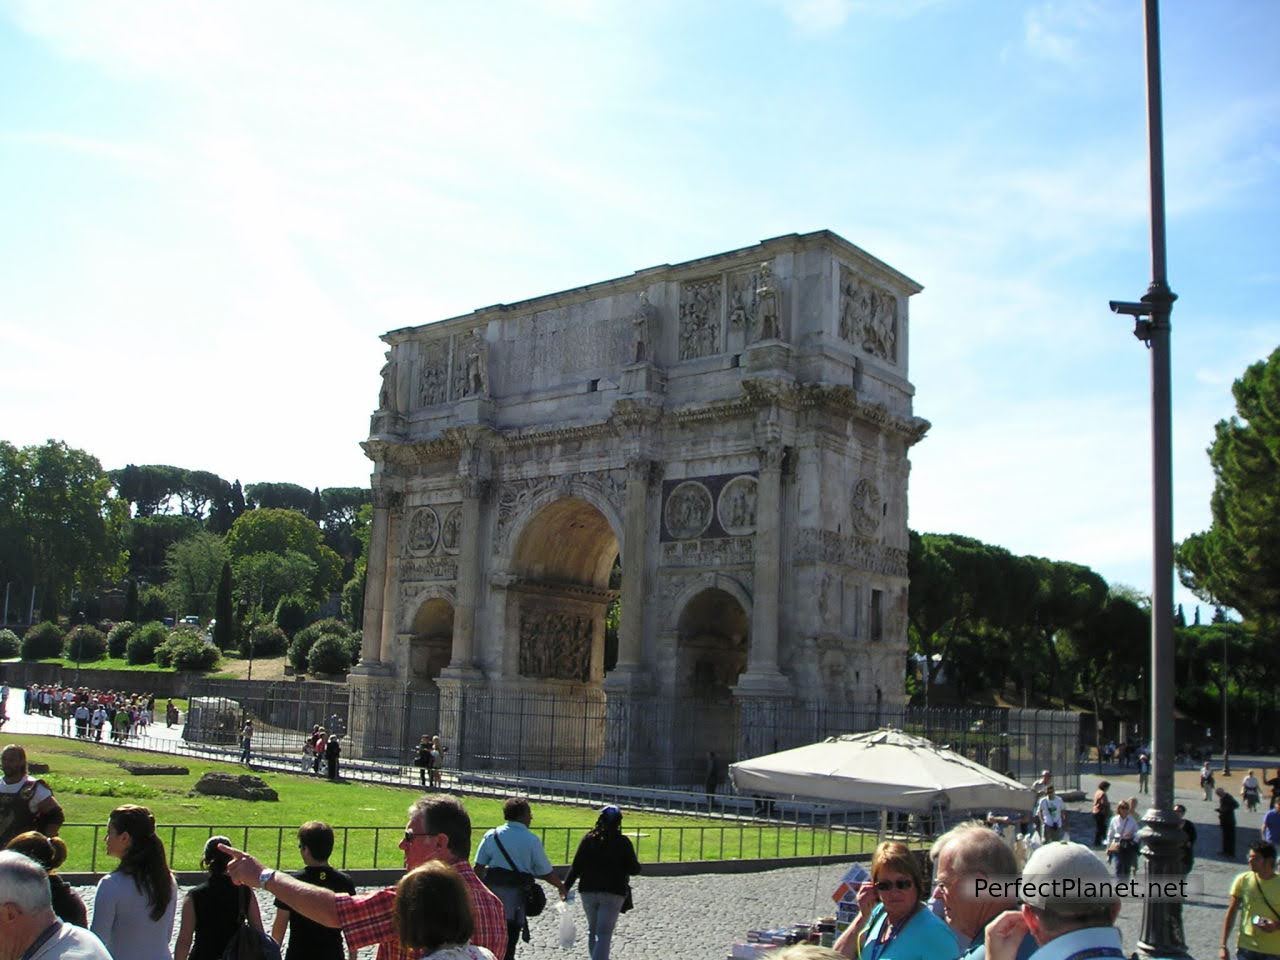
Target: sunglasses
{"type": "Point", "coordinates": [883, 885]}
{"type": "Point", "coordinates": [409, 835]}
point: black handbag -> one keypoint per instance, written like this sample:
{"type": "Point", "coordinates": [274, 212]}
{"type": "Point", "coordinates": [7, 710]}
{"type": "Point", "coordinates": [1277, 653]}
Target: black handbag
{"type": "Point", "coordinates": [535, 898]}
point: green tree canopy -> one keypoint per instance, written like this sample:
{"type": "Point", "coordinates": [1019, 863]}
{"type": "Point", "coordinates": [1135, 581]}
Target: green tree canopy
{"type": "Point", "coordinates": [1237, 560]}
{"type": "Point", "coordinates": [277, 496]}
{"type": "Point", "coordinates": [194, 566]}
{"type": "Point", "coordinates": [61, 527]}
{"type": "Point", "coordinates": [279, 532]}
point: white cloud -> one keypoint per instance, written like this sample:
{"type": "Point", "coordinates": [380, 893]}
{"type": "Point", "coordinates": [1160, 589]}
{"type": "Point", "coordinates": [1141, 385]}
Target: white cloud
{"type": "Point", "coordinates": [1058, 30]}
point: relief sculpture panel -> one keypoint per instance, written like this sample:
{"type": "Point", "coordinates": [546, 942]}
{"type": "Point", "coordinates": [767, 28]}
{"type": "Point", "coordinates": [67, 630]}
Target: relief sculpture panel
{"type": "Point", "coordinates": [433, 382]}
{"type": "Point", "coordinates": [688, 511]}
{"type": "Point", "coordinates": [700, 318]}
{"type": "Point", "coordinates": [868, 316]}
{"type": "Point", "coordinates": [555, 645]}
{"type": "Point", "coordinates": [424, 532]}
{"type": "Point", "coordinates": [737, 506]}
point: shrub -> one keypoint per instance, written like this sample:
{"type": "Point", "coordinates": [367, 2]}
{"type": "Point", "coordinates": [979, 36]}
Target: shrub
{"type": "Point", "coordinates": [329, 654]}
{"type": "Point", "coordinates": [141, 647]}
{"type": "Point", "coordinates": [41, 641]}
{"type": "Point", "coordinates": [307, 636]}
{"type": "Point", "coordinates": [267, 640]}
{"type": "Point", "coordinates": [119, 637]}
{"type": "Point", "coordinates": [86, 643]}
{"type": "Point", "coordinates": [291, 615]}
{"type": "Point", "coordinates": [186, 650]}
{"type": "Point", "coordinates": [8, 643]}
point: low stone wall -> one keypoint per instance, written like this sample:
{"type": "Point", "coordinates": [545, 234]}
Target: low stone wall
{"type": "Point", "coordinates": [17, 673]}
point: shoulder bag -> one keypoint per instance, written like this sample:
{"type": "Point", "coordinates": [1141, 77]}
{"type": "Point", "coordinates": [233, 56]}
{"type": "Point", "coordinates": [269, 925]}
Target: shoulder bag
{"type": "Point", "coordinates": [535, 900]}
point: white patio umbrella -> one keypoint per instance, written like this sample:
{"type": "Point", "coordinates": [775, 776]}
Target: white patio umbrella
{"type": "Point", "coordinates": [882, 768]}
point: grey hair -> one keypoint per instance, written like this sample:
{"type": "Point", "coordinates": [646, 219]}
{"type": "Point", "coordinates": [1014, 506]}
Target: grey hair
{"type": "Point", "coordinates": [23, 882]}
{"type": "Point", "coordinates": [976, 848]}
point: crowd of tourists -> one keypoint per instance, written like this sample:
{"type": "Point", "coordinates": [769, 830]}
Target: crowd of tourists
{"type": "Point", "coordinates": [91, 714]}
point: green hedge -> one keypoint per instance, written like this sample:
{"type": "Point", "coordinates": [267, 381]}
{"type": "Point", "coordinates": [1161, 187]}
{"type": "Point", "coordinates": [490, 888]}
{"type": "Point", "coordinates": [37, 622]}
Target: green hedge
{"type": "Point", "coordinates": [42, 641]}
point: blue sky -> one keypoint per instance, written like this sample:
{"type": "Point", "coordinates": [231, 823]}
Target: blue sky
{"type": "Point", "coordinates": [209, 213]}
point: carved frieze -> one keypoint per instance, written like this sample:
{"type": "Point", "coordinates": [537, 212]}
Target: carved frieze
{"type": "Point", "coordinates": [736, 507]}
{"type": "Point", "coordinates": [424, 532]}
{"type": "Point", "coordinates": [826, 546]}
{"type": "Point", "coordinates": [555, 644]}
{"type": "Point", "coordinates": [753, 304]}
{"type": "Point", "coordinates": [868, 316]}
{"type": "Point", "coordinates": [420, 569]}
{"type": "Point", "coordinates": [688, 511]}
{"type": "Point", "coordinates": [724, 552]}
{"type": "Point", "coordinates": [866, 508]}
{"type": "Point", "coordinates": [433, 378]}
{"type": "Point", "coordinates": [700, 318]}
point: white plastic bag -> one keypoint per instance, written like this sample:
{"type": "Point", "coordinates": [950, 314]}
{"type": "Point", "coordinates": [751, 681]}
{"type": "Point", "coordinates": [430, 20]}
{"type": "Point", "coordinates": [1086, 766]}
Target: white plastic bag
{"type": "Point", "coordinates": [568, 929]}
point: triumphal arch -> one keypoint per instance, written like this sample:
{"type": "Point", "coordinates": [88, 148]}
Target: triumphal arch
{"type": "Point", "coordinates": [712, 453]}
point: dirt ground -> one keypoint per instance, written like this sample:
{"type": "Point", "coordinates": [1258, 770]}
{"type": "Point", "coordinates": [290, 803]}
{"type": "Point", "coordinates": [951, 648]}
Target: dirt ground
{"type": "Point", "coordinates": [264, 668]}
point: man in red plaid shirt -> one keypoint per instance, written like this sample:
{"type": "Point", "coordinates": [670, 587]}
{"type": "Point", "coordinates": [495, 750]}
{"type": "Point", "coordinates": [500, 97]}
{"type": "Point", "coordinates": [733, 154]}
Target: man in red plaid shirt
{"type": "Point", "coordinates": [438, 829]}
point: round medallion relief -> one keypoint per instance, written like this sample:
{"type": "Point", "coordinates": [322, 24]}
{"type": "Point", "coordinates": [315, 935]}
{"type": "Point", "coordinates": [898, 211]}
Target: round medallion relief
{"type": "Point", "coordinates": [688, 511]}
{"type": "Point", "coordinates": [737, 506]}
{"type": "Point", "coordinates": [866, 507]}
{"type": "Point", "coordinates": [424, 532]}
{"type": "Point", "coordinates": [450, 530]}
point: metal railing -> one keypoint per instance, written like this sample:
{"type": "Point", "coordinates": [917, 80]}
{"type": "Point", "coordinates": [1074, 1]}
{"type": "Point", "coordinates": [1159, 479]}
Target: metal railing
{"type": "Point", "coordinates": [374, 848]}
{"type": "Point", "coordinates": [648, 740]}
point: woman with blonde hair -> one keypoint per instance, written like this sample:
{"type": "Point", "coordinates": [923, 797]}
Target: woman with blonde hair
{"type": "Point", "coordinates": [134, 905]}
{"type": "Point", "coordinates": [51, 853]}
{"type": "Point", "coordinates": [892, 921]}
{"type": "Point", "coordinates": [433, 914]}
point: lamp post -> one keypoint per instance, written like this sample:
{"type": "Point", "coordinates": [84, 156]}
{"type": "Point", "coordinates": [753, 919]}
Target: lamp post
{"type": "Point", "coordinates": [1161, 837]}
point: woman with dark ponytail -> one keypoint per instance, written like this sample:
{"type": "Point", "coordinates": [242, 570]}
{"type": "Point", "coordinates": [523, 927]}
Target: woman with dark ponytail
{"type": "Point", "coordinates": [604, 865]}
{"type": "Point", "coordinates": [134, 904]}
{"type": "Point", "coordinates": [51, 853]}
{"type": "Point", "coordinates": [211, 912]}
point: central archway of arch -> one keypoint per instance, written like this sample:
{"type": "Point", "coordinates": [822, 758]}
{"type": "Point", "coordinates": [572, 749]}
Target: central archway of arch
{"type": "Point", "coordinates": [564, 580]}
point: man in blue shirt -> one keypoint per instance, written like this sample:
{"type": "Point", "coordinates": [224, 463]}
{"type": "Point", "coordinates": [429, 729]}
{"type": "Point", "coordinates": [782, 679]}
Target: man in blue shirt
{"type": "Point", "coordinates": [1271, 824]}
{"type": "Point", "coordinates": [504, 855]}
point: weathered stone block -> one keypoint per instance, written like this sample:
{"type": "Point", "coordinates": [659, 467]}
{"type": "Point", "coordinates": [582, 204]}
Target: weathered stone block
{"type": "Point", "coordinates": [242, 786]}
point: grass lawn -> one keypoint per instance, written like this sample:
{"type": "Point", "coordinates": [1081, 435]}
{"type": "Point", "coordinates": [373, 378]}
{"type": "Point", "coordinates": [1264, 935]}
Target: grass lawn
{"type": "Point", "coordinates": [107, 663]}
{"type": "Point", "coordinates": [89, 782]}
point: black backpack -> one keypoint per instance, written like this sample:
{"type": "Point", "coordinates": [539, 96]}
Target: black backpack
{"type": "Point", "coordinates": [247, 943]}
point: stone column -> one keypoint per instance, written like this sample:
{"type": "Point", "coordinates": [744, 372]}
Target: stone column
{"type": "Point", "coordinates": [390, 583]}
{"type": "Point", "coordinates": [762, 677]}
{"type": "Point", "coordinates": [631, 671]}
{"type": "Point", "coordinates": [470, 570]}
{"type": "Point", "coordinates": [375, 580]}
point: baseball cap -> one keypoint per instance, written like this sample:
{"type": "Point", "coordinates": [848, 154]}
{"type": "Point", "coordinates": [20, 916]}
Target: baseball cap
{"type": "Point", "coordinates": [611, 814]}
{"type": "Point", "coordinates": [1063, 861]}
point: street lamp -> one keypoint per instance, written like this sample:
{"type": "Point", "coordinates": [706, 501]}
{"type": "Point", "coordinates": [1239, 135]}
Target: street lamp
{"type": "Point", "coordinates": [1161, 837]}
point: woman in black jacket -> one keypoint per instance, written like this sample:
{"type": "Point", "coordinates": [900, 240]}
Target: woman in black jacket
{"type": "Point", "coordinates": [603, 864]}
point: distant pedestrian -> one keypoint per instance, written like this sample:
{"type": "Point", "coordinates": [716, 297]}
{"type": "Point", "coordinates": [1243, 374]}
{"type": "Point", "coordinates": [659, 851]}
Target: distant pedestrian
{"type": "Point", "coordinates": [1101, 812]}
{"type": "Point", "coordinates": [246, 741]}
{"type": "Point", "coordinates": [1249, 791]}
{"type": "Point", "coordinates": [438, 750]}
{"type": "Point", "coordinates": [1271, 824]}
{"type": "Point", "coordinates": [1206, 780]}
{"type": "Point", "coordinates": [1144, 772]}
{"type": "Point", "coordinates": [320, 746]}
{"type": "Point", "coordinates": [422, 759]}
{"type": "Point", "coordinates": [1227, 805]}
{"type": "Point", "coordinates": [332, 751]}
{"type": "Point", "coordinates": [506, 856]}
{"type": "Point", "coordinates": [714, 776]}
{"type": "Point", "coordinates": [1122, 841]}
{"type": "Point", "coordinates": [1189, 833]}
{"type": "Point", "coordinates": [1051, 815]}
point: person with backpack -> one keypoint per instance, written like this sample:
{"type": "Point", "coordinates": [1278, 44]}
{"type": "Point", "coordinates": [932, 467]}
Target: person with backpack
{"type": "Point", "coordinates": [211, 912]}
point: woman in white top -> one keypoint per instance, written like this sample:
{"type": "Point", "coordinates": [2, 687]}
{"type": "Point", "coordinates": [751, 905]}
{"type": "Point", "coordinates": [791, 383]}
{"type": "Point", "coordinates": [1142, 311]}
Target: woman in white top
{"type": "Point", "coordinates": [433, 914]}
{"type": "Point", "coordinates": [1122, 841]}
{"type": "Point", "coordinates": [134, 905]}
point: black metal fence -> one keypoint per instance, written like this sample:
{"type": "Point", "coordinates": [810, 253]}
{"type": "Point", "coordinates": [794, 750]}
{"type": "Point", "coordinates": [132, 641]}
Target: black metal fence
{"type": "Point", "coordinates": [607, 739]}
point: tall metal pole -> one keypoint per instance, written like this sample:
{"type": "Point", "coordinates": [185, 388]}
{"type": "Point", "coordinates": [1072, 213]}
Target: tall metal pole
{"type": "Point", "coordinates": [1161, 838]}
